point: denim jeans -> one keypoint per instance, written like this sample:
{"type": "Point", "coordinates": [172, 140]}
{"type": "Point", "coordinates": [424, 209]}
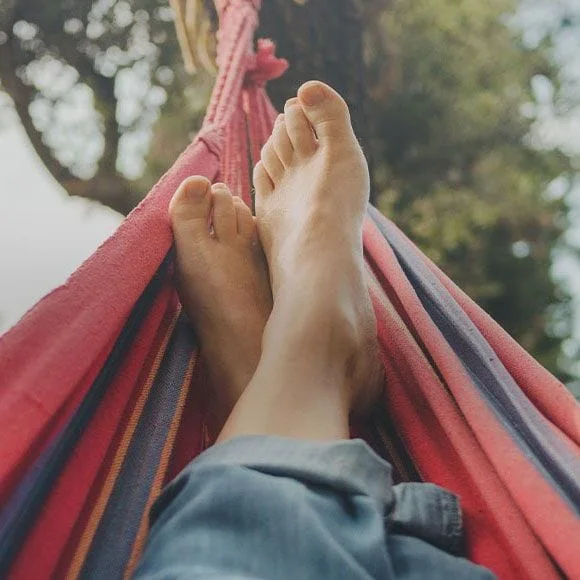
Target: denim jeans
{"type": "Point", "coordinates": [273, 508]}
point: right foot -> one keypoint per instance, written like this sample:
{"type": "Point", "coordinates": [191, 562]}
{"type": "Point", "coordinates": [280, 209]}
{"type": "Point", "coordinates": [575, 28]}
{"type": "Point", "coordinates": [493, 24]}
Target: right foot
{"type": "Point", "coordinates": [223, 285]}
{"type": "Point", "coordinates": [312, 189]}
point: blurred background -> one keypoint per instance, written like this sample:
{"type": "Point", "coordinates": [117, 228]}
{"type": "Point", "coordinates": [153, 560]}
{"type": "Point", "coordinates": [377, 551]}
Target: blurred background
{"type": "Point", "coordinates": [469, 112]}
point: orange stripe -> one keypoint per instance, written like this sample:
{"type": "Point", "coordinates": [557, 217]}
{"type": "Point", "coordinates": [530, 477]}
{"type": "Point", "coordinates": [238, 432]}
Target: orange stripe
{"type": "Point", "coordinates": [162, 470]}
{"type": "Point", "coordinates": [101, 504]}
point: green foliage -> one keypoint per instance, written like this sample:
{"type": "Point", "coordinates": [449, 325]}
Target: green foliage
{"type": "Point", "coordinates": [455, 165]}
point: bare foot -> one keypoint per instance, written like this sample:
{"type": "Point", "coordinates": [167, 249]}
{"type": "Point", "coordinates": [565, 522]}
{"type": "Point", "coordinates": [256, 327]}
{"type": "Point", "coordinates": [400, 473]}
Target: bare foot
{"type": "Point", "coordinates": [312, 189]}
{"type": "Point", "coordinates": [223, 285]}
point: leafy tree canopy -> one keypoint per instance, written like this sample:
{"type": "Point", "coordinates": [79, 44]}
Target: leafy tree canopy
{"type": "Point", "coordinates": [465, 174]}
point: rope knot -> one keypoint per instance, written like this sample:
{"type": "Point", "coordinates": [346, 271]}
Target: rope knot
{"type": "Point", "coordinates": [264, 65]}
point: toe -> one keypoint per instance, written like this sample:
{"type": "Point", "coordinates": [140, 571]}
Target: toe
{"type": "Point", "coordinates": [282, 144]}
{"type": "Point", "coordinates": [190, 208]}
{"type": "Point", "coordinates": [299, 129]}
{"type": "Point", "coordinates": [262, 182]}
{"type": "Point", "coordinates": [224, 215]}
{"type": "Point", "coordinates": [272, 163]}
{"type": "Point", "coordinates": [327, 112]}
{"type": "Point", "coordinates": [244, 219]}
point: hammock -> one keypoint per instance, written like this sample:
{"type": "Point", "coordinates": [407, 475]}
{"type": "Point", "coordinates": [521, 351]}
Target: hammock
{"type": "Point", "coordinates": [101, 388]}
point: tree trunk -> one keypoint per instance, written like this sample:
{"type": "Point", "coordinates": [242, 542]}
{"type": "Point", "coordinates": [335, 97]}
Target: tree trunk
{"type": "Point", "coordinates": [324, 40]}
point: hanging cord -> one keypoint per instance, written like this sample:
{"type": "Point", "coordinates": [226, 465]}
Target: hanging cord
{"type": "Point", "coordinates": [193, 27]}
{"type": "Point", "coordinates": [194, 33]}
{"type": "Point", "coordinates": [239, 117]}
{"type": "Point", "coordinates": [238, 65]}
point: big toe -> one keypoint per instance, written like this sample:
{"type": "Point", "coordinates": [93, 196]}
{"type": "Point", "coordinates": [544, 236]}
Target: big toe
{"type": "Point", "coordinates": [190, 208]}
{"type": "Point", "coordinates": [327, 112]}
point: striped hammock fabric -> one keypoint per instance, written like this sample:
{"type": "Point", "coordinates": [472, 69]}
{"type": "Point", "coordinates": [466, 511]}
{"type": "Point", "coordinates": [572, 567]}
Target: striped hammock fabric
{"type": "Point", "coordinates": [101, 387]}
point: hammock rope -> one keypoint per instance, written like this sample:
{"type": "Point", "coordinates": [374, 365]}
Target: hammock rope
{"type": "Point", "coordinates": [101, 386]}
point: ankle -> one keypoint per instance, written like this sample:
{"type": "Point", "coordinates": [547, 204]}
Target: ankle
{"type": "Point", "coordinates": [283, 400]}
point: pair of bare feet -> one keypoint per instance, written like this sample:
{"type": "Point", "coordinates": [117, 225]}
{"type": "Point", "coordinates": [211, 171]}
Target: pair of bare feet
{"type": "Point", "coordinates": [279, 301]}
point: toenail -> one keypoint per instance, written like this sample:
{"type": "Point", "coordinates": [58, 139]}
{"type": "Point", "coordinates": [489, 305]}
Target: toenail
{"type": "Point", "coordinates": [312, 94]}
{"type": "Point", "coordinates": [195, 191]}
{"type": "Point", "coordinates": [291, 103]}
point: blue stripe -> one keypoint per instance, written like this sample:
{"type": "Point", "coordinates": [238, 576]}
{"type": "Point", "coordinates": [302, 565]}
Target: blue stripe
{"type": "Point", "coordinates": [115, 536]}
{"type": "Point", "coordinates": [21, 511]}
{"type": "Point", "coordinates": [522, 420]}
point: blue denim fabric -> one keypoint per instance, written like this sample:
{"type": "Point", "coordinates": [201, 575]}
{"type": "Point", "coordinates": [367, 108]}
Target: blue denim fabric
{"type": "Point", "coordinates": [273, 508]}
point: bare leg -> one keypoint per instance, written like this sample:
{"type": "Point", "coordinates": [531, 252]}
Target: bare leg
{"type": "Point", "coordinates": [319, 347]}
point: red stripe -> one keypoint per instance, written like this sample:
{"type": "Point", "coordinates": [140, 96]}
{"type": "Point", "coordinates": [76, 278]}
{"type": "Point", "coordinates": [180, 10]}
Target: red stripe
{"type": "Point", "coordinates": [46, 541]}
{"type": "Point", "coordinates": [545, 391]}
{"type": "Point", "coordinates": [439, 439]}
{"type": "Point", "coordinates": [52, 427]}
{"type": "Point", "coordinates": [46, 356]}
{"type": "Point", "coordinates": [551, 519]}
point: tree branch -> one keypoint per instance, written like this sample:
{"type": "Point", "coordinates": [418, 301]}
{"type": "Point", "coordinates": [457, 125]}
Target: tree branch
{"type": "Point", "coordinates": [107, 187]}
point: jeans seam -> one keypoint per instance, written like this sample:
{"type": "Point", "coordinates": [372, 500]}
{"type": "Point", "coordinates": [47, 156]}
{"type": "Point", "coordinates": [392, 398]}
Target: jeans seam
{"type": "Point", "coordinates": [454, 525]}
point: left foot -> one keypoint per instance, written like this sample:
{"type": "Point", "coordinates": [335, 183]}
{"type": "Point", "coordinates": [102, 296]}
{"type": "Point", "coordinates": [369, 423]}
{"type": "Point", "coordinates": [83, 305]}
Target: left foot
{"type": "Point", "coordinates": [312, 190]}
{"type": "Point", "coordinates": [223, 285]}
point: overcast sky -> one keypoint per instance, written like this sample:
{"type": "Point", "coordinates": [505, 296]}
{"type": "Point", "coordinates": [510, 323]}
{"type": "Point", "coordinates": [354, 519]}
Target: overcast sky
{"type": "Point", "coordinates": [44, 234]}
